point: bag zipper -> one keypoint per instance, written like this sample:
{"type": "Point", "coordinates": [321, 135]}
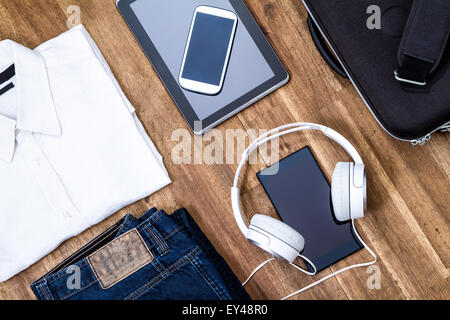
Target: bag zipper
{"type": "Point", "coordinates": [421, 141]}
{"type": "Point", "coordinates": [445, 128]}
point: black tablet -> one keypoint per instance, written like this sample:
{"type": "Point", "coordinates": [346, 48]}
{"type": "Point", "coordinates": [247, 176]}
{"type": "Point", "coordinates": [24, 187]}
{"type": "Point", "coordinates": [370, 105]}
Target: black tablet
{"type": "Point", "coordinates": [254, 69]}
{"type": "Point", "coordinates": [301, 195]}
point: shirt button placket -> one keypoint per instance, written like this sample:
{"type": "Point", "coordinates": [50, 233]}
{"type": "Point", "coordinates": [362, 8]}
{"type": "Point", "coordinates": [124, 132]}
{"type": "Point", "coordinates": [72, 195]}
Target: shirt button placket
{"type": "Point", "coordinates": [50, 181]}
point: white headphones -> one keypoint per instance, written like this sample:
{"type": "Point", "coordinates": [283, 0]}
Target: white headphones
{"type": "Point", "coordinates": [348, 193]}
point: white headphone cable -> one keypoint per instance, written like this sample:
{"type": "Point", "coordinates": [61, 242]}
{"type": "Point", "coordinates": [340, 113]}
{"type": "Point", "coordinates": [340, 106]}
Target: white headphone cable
{"type": "Point", "coordinates": [303, 270]}
{"type": "Point", "coordinates": [292, 264]}
{"type": "Point", "coordinates": [343, 269]}
{"type": "Point", "coordinates": [257, 269]}
{"type": "Point", "coordinates": [366, 264]}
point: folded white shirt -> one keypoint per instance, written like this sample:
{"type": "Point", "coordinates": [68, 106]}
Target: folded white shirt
{"type": "Point", "coordinates": [72, 150]}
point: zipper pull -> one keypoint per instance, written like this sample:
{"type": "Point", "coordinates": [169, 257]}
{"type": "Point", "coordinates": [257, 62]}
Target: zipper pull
{"type": "Point", "coordinates": [421, 141]}
{"type": "Point", "coordinates": [445, 128]}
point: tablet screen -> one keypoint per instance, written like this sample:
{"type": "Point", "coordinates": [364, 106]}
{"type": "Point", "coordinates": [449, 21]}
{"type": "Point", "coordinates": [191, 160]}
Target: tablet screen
{"type": "Point", "coordinates": [302, 197]}
{"type": "Point", "coordinates": [168, 22]}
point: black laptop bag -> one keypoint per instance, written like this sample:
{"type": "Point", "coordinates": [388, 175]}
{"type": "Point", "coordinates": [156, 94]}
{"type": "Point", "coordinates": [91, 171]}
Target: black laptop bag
{"type": "Point", "coordinates": [395, 53]}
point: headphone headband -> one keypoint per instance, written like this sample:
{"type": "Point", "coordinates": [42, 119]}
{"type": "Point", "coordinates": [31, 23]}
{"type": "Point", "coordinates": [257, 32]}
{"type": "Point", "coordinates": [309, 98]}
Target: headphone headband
{"type": "Point", "coordinates": [275, 133]}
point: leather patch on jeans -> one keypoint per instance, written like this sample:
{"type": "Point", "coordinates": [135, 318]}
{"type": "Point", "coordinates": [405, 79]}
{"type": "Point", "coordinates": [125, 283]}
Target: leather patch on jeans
{"type": "Point", "coordinates": [120, 258]}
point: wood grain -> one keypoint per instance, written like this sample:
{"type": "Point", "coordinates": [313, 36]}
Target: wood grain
{"type": "Point", "coordinates": [407, 222]}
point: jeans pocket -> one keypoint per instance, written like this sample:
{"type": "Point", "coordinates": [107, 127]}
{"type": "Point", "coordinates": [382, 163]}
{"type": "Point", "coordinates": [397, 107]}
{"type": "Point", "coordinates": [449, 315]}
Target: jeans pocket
{"type": "Point", "coordinates": [187, 279]}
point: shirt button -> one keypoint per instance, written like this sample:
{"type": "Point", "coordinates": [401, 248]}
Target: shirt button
{"type": "Point", "coordinates": [67, 214]}
{"type": "Point", "coordinates": [37, 162]}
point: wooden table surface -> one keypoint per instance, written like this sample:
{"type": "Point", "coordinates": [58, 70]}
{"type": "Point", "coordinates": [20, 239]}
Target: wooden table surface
{"type": "Point", "coordinates": [407, 221]}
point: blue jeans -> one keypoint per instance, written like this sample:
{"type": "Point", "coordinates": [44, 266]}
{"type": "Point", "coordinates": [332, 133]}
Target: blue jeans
{"type": "Point", "coordinates": [155, 257]}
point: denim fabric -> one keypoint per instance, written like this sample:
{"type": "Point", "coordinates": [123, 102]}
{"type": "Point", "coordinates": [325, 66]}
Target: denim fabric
{"type": "Point", "coordinates": [185, 267]}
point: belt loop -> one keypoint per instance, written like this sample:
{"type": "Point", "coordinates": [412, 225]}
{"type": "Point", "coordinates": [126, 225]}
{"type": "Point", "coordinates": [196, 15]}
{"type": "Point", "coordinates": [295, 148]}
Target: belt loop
{"type": "Point", "coordinates": [155, 237]}
{"type": "Point", "coordinates": [44, 291]}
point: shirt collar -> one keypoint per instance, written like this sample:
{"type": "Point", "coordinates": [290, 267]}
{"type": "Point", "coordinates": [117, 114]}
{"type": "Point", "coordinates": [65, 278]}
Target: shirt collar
{"type": "Point", "coordinates": [35, 107]}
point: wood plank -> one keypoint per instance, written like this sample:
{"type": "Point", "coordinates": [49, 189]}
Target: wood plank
{"type": "Point", "coordinates": [407, 222]}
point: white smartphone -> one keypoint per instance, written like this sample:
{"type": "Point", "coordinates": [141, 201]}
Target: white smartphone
{"type": "Point", "coordinates": [208, 50]}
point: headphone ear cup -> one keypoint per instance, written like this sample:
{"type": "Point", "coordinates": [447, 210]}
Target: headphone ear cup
{"type": "Point", "coordinates": [340, 191]}
{"type": "Point", "coordinates": [280, 230]}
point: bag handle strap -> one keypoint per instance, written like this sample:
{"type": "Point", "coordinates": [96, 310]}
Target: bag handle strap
{"type": "Point", "coordinates": [424, 41]}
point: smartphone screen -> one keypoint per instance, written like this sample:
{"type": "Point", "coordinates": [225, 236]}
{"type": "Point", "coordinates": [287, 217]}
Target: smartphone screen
{"type": "Point", "coordinates": [207, 51]}
{"type": "Point", "coordinates": [301, 195]}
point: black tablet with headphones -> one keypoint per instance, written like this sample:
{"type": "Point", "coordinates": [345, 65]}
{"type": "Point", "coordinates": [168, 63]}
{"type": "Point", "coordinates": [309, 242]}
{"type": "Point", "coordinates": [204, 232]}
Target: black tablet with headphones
{"type": "Point", "coordinates": [301, 195]}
